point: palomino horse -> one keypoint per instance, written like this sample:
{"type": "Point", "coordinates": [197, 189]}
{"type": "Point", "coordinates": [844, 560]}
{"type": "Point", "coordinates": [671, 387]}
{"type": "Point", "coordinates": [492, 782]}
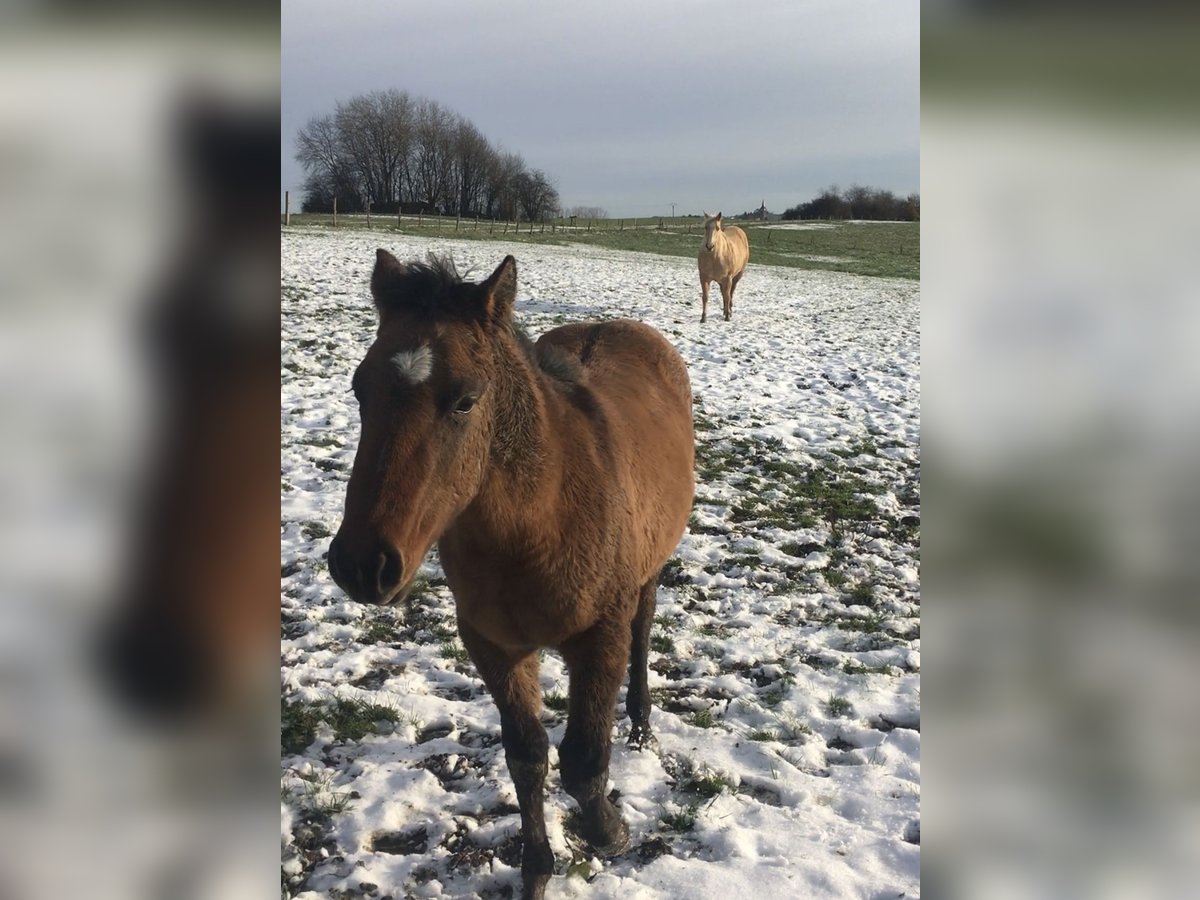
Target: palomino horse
{"type": "Point", "coordinates": [556, 479]}
{"type": "Point", "coordinates": [722, 259]}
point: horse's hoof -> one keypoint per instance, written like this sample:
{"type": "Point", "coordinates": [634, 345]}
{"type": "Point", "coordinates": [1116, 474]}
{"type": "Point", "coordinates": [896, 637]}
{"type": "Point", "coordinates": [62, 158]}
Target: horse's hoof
{"type": "Point", "coordinates": [604, 829]}
{"type": "Point", "coordinates": [642, 739]}
{"type": "Point", "coordinates": [615, 845]}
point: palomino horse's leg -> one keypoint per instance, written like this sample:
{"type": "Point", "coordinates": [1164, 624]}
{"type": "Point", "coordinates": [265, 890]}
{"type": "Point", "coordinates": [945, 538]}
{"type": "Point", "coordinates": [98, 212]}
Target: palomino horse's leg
{"type": "Point", "coordinates": [637, 701]}
{"type": "Point", "coordinates": [727, 298]}
{"type": "Point", "coordinates": [703, 299]}
{"type": "Point", "coordinates": [513, 683]}
{"type": "Point", "coordinates": [733, 288]}
{"type": "Point", "coordinates": [596, 662]}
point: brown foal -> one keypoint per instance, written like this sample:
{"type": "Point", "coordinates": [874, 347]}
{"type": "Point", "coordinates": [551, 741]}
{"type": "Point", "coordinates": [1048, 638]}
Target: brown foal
{"type": "Point", "coordinates": [555, 478]}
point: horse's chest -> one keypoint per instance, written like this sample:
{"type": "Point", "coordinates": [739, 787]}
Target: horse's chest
{"type": "Point", "coordinates": [517, 609]}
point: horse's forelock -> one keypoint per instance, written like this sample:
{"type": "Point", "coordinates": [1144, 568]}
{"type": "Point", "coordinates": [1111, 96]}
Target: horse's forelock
{"type": "Point", "coordinates": [432, 287]}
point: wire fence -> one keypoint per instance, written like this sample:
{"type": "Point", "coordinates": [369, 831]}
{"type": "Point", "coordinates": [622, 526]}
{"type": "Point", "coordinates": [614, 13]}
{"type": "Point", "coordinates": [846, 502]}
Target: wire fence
{"type": "Point", "coordinates": [575, 224]}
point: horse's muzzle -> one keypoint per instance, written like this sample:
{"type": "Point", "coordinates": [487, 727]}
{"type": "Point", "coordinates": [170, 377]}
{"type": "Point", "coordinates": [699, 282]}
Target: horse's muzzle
{"type": "Point", "coordinates": [370, 575]}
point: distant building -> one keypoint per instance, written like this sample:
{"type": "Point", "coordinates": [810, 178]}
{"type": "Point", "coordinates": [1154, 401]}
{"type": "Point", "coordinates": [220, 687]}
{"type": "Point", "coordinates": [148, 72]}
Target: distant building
{"type": "Point", "coordinates": [762, 214]}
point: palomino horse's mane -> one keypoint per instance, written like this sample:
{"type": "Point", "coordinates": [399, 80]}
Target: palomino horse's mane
{"type": "Point", "coordinates": [433, 290]}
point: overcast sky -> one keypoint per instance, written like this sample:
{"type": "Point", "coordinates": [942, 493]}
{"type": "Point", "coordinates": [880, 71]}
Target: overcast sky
{"type": "Point", "coordinates": [635, 106]}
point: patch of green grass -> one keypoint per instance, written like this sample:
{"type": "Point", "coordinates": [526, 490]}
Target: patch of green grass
{"type": "Point", "coordinates": [866, 624]}
{"type": "Point", "coordinates": [703, 719]}
{"type": "Point", "coordinates": [800, 550]}
{"type": "Point", "coordinates": [314, 531]}
{"type": "Point", "coordinates": [791, 728]}
{"type": "Point", "coordinates": [453, 650]}
{"type": "Point", "coordinates": [661, 643]}
{"type": "Point", "coordinates": [707, 784]}
{"type": "Point", "coordinates": [672, 574]}
{"type": "Point", "coordinates": [862, 446]}
{"type": "Point", "coordinates": [887, 249]}
{"type": "Point", "coordinates": [761, 734]}
{"type": "Point", "coordinates": [775, 696]}
{"type": "Point", "coordinates": [681, 820]}
{"type": "Point", "coordinates": [862, 593]}
{"type": "Point", "coordinates": [317, 796]}
{"type": "Point", "coordinates": [297, 725]}
{"type": "Point", "coordinates": [839, 707]}
{"type": "Point", "coordinates": [557, 701]}
{"type": "Point", "coordinates": [854, 667]}
{"type": "Point", "coordinates": [745, 560]}
{"type": "Point", "coordinates": [381, 629]}
{"type": "Point", "coordinates": [350, 719]}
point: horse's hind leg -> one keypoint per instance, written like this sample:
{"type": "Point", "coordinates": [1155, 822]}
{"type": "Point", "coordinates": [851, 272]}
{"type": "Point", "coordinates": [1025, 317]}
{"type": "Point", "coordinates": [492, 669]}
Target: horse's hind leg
{"type": "Point", "coordinates": [637, 700]}
{"type": "Point", "coordinates": [596, 662]}
{"type": "Point", "coordinates": [513, 683]}
{"type": "Point", "coordinates": [727, 298]}
{"type": "Point", "coordinates": [733, 288]}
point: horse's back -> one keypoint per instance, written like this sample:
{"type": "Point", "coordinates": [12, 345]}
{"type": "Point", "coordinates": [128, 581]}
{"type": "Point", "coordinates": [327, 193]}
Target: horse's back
{"type": "Point", "coordinates": [623, 352]}
{"type": "Point", "coordinates": [635, 399]}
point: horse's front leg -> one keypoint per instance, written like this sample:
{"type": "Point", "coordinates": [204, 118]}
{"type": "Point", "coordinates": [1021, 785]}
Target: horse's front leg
{"type": "Point", "coordinates": [727, 298]}
{"type": "Point", "coordinates": [513, 683]}
{"type": "Point", "coordinates": [596, 662]}
{"type": "Point", "coordinates": [703, 299]}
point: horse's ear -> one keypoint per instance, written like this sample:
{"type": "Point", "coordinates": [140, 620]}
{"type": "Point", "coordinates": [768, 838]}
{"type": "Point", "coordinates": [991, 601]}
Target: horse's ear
{"type": "Point", "coordinates": [500, 290]}
{"type": "Point", "coordinates": [718, 217]}
{"type": "Point", "coordinates": [706, 215]}
{"type": "Point", "coordinates": [387, 268]}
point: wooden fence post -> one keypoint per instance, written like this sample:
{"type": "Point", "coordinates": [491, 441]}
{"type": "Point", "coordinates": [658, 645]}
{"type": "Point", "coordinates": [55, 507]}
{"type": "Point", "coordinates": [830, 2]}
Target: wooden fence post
{"type": "Point", "coordinates": [335, 212]}
{"type": "Point", "coordinates": [368, 213]}
{"type": "Point", "coordinates": [287, 209]}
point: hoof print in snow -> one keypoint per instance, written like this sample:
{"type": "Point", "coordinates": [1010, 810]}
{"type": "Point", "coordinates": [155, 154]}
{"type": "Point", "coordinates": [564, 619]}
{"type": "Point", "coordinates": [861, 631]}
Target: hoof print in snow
{"type": "Point", "coordinates": [402, 843]}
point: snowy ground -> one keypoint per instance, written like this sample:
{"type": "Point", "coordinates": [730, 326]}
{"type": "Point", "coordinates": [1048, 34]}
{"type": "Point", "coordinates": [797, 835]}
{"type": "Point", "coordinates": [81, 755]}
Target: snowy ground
{"type": "Point", "coordinates": [786, 650]}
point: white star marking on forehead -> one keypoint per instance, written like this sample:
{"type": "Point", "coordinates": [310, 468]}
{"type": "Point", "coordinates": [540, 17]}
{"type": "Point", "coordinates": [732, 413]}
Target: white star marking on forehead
{"type": "Point", "coordinates": [414, 366]}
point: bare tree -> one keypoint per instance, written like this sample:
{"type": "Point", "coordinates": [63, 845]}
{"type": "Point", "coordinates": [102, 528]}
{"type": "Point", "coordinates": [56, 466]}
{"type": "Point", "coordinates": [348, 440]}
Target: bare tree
{"type": "Point", "coordinates": [536, 195]}
{"type": "Point", "coordinates": [433, 157]}
{"type": "Point", "coordinates": [393, 150]}
{"type": "Point", "coordinates": [471, 157]}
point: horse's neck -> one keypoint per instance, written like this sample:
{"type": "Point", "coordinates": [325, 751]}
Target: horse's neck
{"type": "Point", "coordinates": [525, 461]}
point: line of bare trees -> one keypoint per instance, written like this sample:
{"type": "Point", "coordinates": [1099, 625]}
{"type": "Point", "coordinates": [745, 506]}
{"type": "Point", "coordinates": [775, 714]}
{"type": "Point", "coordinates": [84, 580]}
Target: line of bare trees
{"type": "Point", "coordinates": [858, 202]}
{"type": "Point", "coordinates": [403, 153]}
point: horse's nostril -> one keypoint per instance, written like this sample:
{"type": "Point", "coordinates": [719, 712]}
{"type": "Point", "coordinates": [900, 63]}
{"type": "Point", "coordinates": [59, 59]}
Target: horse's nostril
{"type": "Point", "coordinates": [390, 570]}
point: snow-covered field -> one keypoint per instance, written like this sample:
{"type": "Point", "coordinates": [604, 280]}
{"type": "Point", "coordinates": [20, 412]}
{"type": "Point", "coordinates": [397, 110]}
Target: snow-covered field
{"type": "Point", "coordinates": [786, 651]}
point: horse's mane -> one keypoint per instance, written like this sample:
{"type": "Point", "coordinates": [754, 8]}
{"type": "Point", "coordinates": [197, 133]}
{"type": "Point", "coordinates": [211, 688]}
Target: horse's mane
{"type": "Point", "coordinates": [431, 288]}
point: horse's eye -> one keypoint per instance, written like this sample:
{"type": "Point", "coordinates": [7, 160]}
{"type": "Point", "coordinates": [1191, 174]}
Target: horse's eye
{"type": "Point", "coordinates": [465, 404]}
